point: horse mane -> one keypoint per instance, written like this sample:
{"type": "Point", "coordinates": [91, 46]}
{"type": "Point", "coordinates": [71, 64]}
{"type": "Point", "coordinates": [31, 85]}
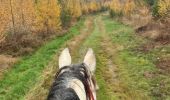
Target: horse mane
{"type": "Point", "coordinates": [59, 90]}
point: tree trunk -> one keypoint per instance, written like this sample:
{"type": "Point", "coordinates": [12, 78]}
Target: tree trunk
{"type": "Point", "coordinates": [47, 22]}
{"type": "Point", "coordinates": [22, 14]}
{"type": "Point", "coordinates": [12, 17]}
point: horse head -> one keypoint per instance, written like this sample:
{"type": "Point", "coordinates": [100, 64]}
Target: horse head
{"type": "Point", "coordinates": [75, 81]}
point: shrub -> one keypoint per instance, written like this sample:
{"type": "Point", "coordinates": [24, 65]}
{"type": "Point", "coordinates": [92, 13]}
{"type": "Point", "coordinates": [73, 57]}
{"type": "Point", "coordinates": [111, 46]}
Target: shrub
{"type": "Point", "coordinates": [48, 16]}
{"type": "Point", "coordinates": [155, 9]}
{"type": "Point", "coordinates": [161, 8]}
{"type": "Point", "coordinates": [115, 8]}
{"type": "Point", "coordinates": [85, 9]}
{"type": "Point", "coordinates": [74, 7]}
{"type": "Point", "coordinates": [128, 7]}
{"type": "Point", "coordinates": [94, 6]}
{"type": "Point", "coordinates": [65, 18]}
{"type": "Point", "coordinates": [151, 2]}
{"type": "Point", "coordinates": [119, 8]}
{"type": "Point", "coordinates": [115, 14]}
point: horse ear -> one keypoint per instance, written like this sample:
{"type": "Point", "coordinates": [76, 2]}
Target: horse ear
{"type": "Point", "coordinates": [64, 58]}
{"type": "Point", "coordinates": [90, 60]}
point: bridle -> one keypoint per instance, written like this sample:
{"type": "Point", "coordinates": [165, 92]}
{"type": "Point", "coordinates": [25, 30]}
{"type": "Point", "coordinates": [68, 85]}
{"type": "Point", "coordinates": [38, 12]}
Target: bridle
{"type": "Point", "coordinates": [89, 91]}
{"type": "Point", "coordinates": [86, 83]}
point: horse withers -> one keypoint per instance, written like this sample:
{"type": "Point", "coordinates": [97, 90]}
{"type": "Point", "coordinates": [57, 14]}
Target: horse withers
{"type": "Point", "coordinates": [74, 81]}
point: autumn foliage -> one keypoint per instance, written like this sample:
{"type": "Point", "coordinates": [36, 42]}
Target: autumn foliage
{"type": "Point", "coordinates": [45, 16]}
{"type": "Point", "coordinates": [120, 7]}
{"type": "Point", "coordinates": [161, 8]}
{"type": "Point", "coordinates": [48, 16]}
{"type": "Point", "coordinates": [27, 23]}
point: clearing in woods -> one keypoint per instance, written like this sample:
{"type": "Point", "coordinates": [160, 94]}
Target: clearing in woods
{"type": "Point", "coordinates": [120, 70]}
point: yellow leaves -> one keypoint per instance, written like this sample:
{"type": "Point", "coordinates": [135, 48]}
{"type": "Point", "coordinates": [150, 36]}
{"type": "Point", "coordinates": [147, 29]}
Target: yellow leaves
{"type": "Point", "coordinates": [115, 6]}
{"type": "Point", "coordinates": [28, 16]}
{"type": "Point", "coordinates": [106, 4]}
{"type": "Point", "coordinates": [54, 15]}
{"type": "Point", "coordinates": [90, 7]}
{"type": "Point", "coordinates": [4, 18]}
{"type": "Point", "coordinates": [74, 8]}
{"type": "Point", "coordinates": [3, 23]}
{"type": "Point", "coordinates": [48, 15]}
{"type": "Point", "coordinates": [33, 16]}
{"type": "Point", "coordinates": [125, 7]}
{"type": "Point", "coordinates": [77, 7]}
{"type": "Point", "coordinates": [164, 7]}
{"type": "Point", "coordinates": [144, 11]}
{"type": "Point", "coordinates": [2, 37]}
{"type": "Point", "coordinates": [93, 6]}
{"type": "Point", "coordinates": [85, 9]}
{"type": "Point", "coordinates": [128, 7]}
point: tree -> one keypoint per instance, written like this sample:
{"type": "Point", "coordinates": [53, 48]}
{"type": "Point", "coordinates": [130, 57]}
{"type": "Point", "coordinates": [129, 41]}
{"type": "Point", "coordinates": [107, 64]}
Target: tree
{"type": "Point", "coordinates": [115, 8]}
{"type": "Point", "coordinates": [4, 17]}
{"type": "Point", "coordinates": [129, 7]}
{"type": "Point", "coordinates": [48, 16]}
{"type": "Point", "coordinates": [12, 16]}
{"type": "Point", "coordinates": [163, 8]}
{"type": "Point", "coordinates": [74, 7]}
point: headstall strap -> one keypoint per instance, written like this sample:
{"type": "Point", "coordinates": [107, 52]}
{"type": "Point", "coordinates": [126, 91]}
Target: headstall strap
{"type": "Point", "coordinates": [89, 91]}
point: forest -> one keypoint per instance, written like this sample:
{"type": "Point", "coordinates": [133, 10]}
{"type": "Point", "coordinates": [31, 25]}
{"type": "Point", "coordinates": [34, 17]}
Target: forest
{"type": "Point", "coordinates": [131, 40]}
{"type": "Point", "coordinates": [34, 20]}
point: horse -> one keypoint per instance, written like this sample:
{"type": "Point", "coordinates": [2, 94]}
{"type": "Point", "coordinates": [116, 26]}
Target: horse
{"type": "Point", "coordinates": [74, 81]}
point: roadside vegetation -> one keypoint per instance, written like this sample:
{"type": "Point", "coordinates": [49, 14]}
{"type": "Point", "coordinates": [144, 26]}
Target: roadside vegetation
{"type": "Point", "coordinates": [150, 18]}
{"type": "Point", "coordinates": [22, 76]}
{"type": "Point", "coordinates": [25, 25]}
{"type": "Point", "coordinates": [143, 61]}
{"type": "Point", "coordinates": [139, 76]}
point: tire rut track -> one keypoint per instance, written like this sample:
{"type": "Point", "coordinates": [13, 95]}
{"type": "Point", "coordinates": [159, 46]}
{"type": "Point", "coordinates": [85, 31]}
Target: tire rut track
{"type": "Point", "coordinates": [106, 70]}
{"type": "Point", "coordinates": [76, 43]}
{"type": "Point", "coordinates": [109, 50]}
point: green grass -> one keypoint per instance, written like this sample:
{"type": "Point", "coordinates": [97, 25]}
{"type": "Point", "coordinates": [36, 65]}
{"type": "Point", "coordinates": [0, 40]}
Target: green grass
{"type": "Point", "coordinates": [132, 65]}
{"type": "Point", "coordinates": [23, 75]}
{"type": "Point", "coordinates": [122, 34]}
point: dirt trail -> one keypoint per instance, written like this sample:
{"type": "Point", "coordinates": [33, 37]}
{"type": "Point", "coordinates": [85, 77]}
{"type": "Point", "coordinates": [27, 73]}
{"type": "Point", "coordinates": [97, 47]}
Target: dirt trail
{"type": "Point", "coordinates": [76, 42]}
{"type": "Point", "coordinates": [109, 49]}
{"type": "Point", "coordinates": [40, 90]}
{"type": "Point", "coordinates": [104, 50]}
